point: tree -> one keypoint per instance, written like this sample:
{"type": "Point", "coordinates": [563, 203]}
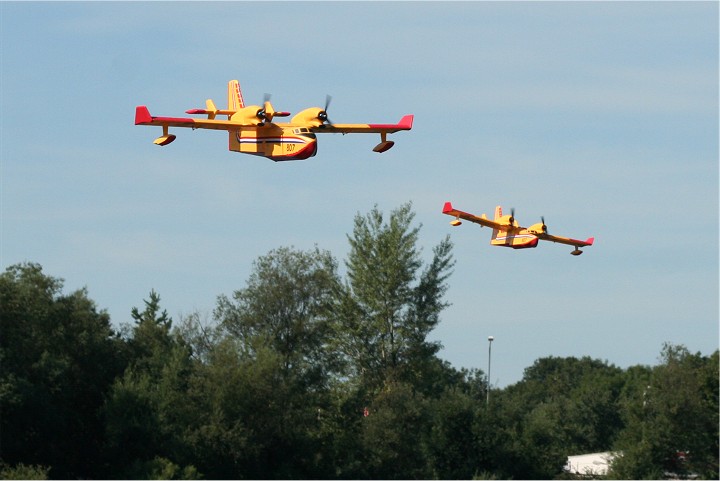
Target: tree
{"type": "Point", "coordinates": [151, 331]}
{"type": "Point", "coordinates": [394, 432]}
{"type": "Point", "coordinates": [21, 471]}
{"type": "Point", "coordinates": [58, 358]}
{"type": "Point", "coordinates": [146, 409]}
{"type": "Point", "coordinates": [218, 392]}
{"type": "Point", "coordinates": [453, 448]}
{"type": "Point", "coordinates": [278, 330]}
{"type": "Point", "coordinates": [286, 307]}
{"type": "Point", "coordinates": [388, 307]}
{"type": "Point", "coordinates": [562, 406]}
{"type": "Point", "coordinates": [671, 417]}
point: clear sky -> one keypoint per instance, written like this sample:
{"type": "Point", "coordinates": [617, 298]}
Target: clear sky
{"type": "Point", "coordinates": [600, 116]}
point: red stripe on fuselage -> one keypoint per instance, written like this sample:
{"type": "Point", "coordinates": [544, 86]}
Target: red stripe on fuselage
{"type": "Point", "coordinates": [306, 152]}
{"type": "Point", "coordinates": [512, 241]}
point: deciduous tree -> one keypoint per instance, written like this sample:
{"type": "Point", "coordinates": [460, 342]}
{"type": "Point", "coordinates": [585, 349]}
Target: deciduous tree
{"type": "Point", "coordinates": [389, 305]}
{"type": "Point", "coordinates": [672, 419]}
{"type": "Point", "coordinates": [58, 358]}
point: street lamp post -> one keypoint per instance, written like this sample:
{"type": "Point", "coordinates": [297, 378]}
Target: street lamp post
{"type": "Point", "coordinates": [490, 340]}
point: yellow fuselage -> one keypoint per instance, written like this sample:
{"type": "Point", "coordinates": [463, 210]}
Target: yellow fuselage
{"type": "Point", "coordinates": [275, 141]}
{"type": "Point", "coordinates": [513, 236]}
{"type": "Point", "coordinates": [518, 240]}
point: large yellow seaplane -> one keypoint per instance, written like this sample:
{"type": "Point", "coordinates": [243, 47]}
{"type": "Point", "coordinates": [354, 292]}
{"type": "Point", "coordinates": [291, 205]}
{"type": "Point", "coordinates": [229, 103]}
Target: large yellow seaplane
{"type": "Point", "coordinates": [252, 130]}
{"type": "Point", "coordinates": [508, 233]}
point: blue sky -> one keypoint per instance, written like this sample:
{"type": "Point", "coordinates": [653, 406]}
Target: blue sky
{"type": "Point", "coordinates": [600, 116]}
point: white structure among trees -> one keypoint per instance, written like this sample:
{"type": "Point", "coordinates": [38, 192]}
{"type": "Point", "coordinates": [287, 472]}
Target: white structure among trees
{"type": "Point", "coordinates": [593, 464]}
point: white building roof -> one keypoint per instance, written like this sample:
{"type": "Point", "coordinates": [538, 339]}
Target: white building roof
{"type": "Point", "coordinates": [593, 464]}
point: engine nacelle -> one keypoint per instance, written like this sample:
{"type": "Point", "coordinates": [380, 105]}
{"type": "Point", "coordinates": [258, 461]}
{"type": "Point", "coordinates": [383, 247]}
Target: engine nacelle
{"type": "Point", "coordinates": [508, 220]}
{"type": "Point", "coordinates": [249, 115]}
{"type": "Point", "coordinates": [539, 228]}
{"type": "Point", "coordinates": [309, 117]}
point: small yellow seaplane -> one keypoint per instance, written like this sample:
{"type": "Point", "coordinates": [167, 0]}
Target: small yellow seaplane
{"type": "Point", "coordinates": [252, 130]}
{"type": "Point", "coordinates": [508, 233]}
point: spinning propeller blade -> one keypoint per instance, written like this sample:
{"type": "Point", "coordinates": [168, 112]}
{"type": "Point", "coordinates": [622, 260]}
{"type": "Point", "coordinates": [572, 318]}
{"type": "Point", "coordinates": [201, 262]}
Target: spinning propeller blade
{"type": "Point", "coordinates": [266, 112]}
{"type": "Point", "coordinates": [323, 116]}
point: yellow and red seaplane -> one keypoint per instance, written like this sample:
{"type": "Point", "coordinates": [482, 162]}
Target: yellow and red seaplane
{"type": "Point", "coordinates": [252, 130]}
{"type": "Point", "coordinates": [508, 233]}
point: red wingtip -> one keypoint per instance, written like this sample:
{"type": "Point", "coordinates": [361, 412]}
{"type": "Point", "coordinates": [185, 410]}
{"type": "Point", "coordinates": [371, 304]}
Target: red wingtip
{"type": "Point", "coordinates": [447, 208]}
{"type": "Point", "coordinates": [406, 122]}
{"type": "Point", "coordinates": [590, 241]}
{"type": "Point", "coordinates": [142, 115]}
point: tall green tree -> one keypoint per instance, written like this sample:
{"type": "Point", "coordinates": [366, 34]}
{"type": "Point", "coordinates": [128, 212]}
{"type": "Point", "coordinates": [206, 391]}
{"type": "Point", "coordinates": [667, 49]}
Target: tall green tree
{"type": "Point", "coordinates": [391, 302]}
{"type": "Point", "coordinates": [279, 329]}
{"type": "Point", "coordinates": [286, 307]}
{"type": "Point", "coordinates": [146, 409]}
{"type": "Point", "coordinates": [151, 337]}
{"type": "Point", "coordinates": [58, 358]}
{"type": "Point", "coordinates": [671, 417]}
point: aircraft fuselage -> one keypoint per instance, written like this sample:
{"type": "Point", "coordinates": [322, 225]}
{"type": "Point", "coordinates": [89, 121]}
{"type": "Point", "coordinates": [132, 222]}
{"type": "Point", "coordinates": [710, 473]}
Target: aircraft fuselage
{"type": "Point", "coordinates": [275, 141]}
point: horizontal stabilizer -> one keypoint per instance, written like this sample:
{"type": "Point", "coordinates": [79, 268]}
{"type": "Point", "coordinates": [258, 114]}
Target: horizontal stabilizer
{"type": "Point", "coordinates": [210, 112]}
{"type": "Point", "coordinates": [143, 117]}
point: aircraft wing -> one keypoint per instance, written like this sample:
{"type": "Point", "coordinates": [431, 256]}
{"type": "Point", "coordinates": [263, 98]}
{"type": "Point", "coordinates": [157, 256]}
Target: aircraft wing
{"type": "Point", "coordinates": [566, 240]}
{"type": "Point", "coordinates": [483, 221]}
{"type": "Point", "coordinates": [405, 124]}
{"type": "Point", "coordinates": [143, 117]}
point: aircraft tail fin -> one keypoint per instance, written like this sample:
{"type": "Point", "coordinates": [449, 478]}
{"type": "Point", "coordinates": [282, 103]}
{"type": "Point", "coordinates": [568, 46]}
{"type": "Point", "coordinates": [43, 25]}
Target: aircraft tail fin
{"type": "Point", "coordinates": [235, 98]}
{"type": "Point", "coordinates": [498, 215]}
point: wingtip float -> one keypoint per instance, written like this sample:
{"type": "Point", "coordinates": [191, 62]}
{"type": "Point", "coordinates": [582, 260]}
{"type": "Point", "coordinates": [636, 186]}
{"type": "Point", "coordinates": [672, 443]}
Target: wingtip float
{"type": "Point", "coordinates": [252, 130]}
{"type": "Point", "coordinates": [508, 233]}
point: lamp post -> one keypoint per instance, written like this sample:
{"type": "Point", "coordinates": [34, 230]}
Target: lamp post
{"type": "Point", "coordinates": [490, 340]}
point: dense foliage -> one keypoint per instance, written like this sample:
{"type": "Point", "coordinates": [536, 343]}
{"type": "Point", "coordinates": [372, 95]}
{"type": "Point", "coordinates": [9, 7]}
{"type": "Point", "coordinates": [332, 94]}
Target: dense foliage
{"type": "Point", "coordinates": [305, 374]}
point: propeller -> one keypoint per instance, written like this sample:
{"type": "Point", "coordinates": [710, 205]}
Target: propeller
{"type": "Point", "coordinates": [322, 115]}
{"type": "Point", "coordinates": [544, 227]}
{"type": "Point", "coordinates": [512, 216]}
{"type": "Point", "coordinates": [266, 113]}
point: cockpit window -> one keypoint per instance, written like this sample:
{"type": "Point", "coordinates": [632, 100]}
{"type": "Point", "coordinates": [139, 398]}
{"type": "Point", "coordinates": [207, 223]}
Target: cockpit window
{"type": "Point", "coordinates": [304, 131]}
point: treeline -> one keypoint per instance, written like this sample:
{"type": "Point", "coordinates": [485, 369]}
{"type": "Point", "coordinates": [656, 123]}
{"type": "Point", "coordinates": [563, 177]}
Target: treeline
{"type": "Point", "coordinates": [304, 373]}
